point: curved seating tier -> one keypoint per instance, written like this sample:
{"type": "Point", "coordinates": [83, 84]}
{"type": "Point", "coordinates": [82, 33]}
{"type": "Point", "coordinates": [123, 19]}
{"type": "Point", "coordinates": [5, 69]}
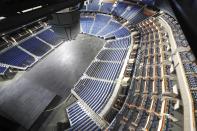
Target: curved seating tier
{"type": "Point", "coordinates": [103, 26]}
{"type": "Point", "coordinates": [98, 83]}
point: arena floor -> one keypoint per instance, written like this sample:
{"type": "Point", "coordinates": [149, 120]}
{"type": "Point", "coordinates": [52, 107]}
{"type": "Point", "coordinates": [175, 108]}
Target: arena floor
{"type": "Point", "coordinates": [28, 94]}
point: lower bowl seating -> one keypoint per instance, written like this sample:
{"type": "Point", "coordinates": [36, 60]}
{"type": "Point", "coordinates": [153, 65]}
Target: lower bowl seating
{"type": "Point", "coordinates": [16, 57]}
{"type": "Point", "coordinates": [35, 46]}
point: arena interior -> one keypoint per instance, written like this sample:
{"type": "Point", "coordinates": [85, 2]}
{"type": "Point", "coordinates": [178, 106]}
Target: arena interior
{"type": "Point", "coordinates": [98, 65]}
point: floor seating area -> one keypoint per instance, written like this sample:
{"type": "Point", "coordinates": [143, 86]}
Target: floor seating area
{"type": "Point", "coordinates": [27, 47]}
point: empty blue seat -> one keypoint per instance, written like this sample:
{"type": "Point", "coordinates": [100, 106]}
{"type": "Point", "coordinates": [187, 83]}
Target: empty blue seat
{"type": "Point", "coordinates": [35, 46]}
{"type": "Point", "coordinates": [50, 37]}
{"type": "Point", "coordinates": [3, 69]}
{"type": "Point", "coordinates": [16, 57]}
{"type": "Point", "coordinates": [95, 93]}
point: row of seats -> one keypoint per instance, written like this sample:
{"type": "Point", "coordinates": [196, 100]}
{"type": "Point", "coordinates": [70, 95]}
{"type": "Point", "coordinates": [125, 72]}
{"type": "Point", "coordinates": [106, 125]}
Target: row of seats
{"type": "Point", "coordinates": [79, 118]}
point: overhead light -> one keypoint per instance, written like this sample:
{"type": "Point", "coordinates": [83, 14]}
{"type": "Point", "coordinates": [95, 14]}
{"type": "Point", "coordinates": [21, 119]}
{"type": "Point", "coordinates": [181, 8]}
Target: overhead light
{"type": "Point", "coordinates": [31, 9]}
{"type": "Point", "coordinates": [2, 17]}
